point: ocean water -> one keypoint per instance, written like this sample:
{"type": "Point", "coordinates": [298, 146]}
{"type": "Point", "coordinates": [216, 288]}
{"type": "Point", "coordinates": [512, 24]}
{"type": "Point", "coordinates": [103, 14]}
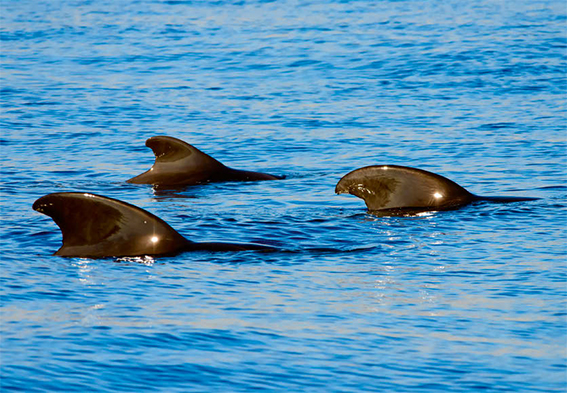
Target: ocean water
{"type": "Point", "coordinates": [454, 301]}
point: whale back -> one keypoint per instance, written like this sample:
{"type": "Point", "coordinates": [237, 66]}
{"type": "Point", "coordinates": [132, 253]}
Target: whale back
{"type": "Point", "coordinates": [392, 187]}
{"type": "Point", "coordinates": [95, 226]}
{"type": "Point", "coordinates": [178, 163]}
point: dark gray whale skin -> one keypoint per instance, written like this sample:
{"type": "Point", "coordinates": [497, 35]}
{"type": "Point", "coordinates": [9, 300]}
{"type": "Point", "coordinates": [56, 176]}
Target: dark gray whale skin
{"type": "Point", "coordinates": [391, 188]}
{"type": "Point", "coordinates": [179, 164]}
{"type": "Point", "coordinates": [95, 226]}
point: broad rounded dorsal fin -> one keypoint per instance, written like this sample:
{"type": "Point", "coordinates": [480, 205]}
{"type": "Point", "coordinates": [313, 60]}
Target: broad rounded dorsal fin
{"type": "Point", "coordinates": [95, 226]}
{"type": "Point", "coordinates": [385, 187]}
{"type": "Point", "coordinates": [169, 149]}
{"type": "Point", "coordinates": [177, 163]}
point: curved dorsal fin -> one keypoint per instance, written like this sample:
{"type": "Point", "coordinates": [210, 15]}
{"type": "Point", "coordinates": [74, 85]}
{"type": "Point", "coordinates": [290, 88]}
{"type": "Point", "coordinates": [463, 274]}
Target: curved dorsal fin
{"type": "Point", "coordinates": [385, 187]}
{"type": "Point", "coordinates": [95, 226]}
{"type": "Point", "coordinates": [177, 163]}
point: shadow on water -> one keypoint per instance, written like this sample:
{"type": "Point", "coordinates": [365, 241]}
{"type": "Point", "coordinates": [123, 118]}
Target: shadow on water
{"type": "Point", "coordinates": [200, 190]}
{"type": "Point", "coordinates": [163, 194]}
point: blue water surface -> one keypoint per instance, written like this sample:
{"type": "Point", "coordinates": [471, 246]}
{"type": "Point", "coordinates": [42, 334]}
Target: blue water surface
{"type": "Point", "coordinates": [453, 301]}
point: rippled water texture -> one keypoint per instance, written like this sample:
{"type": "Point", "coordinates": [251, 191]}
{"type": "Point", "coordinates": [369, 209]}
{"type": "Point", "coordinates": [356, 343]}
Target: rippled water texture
{"type": "Point", "coordinates": [463, 300]}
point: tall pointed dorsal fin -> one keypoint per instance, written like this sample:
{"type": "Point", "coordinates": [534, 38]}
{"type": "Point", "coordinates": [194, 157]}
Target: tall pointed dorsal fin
{"type": "Point", "coordinates": [177, 163]}
{"type": "Point", "coordinates": [96, 226]}
{"type": "Point", "coordinates": [385, 187]}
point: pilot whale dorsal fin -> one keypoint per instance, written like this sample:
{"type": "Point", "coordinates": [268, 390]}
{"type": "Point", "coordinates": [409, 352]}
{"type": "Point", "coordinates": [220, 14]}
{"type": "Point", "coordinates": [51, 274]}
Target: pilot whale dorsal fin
{"type": "Point", "coordinates": [95, 226]}
{"type": "Point", "coordinates": [177, 163]}
{"type": "Point", "coordinates": [170, 149]}
{"type": "Point", "coordinates": [390, 187]}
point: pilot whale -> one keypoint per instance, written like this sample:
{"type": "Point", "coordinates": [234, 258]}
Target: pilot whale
{"type": "Point", "coordinates": [95, 226]}
{"type": "Point", "coordinates": [178, 163]}
{"type": "Point", "coordinates": [391, 188]}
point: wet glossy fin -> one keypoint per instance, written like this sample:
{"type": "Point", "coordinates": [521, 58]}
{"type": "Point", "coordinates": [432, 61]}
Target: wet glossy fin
{"type": "Point", "coordinates": [177, 163]}
{"type": "Point", "coordinates": [390, 187]}
{"type": "Point", "coordinates": [95, 226]}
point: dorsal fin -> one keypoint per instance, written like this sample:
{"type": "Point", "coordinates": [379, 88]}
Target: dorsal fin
{"type": "Point", "coordinates": [95, 226]}
{"type": "Point", "coordinates": [177, 163]}
{"type": "Point", "coordinates": [389, 187]}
